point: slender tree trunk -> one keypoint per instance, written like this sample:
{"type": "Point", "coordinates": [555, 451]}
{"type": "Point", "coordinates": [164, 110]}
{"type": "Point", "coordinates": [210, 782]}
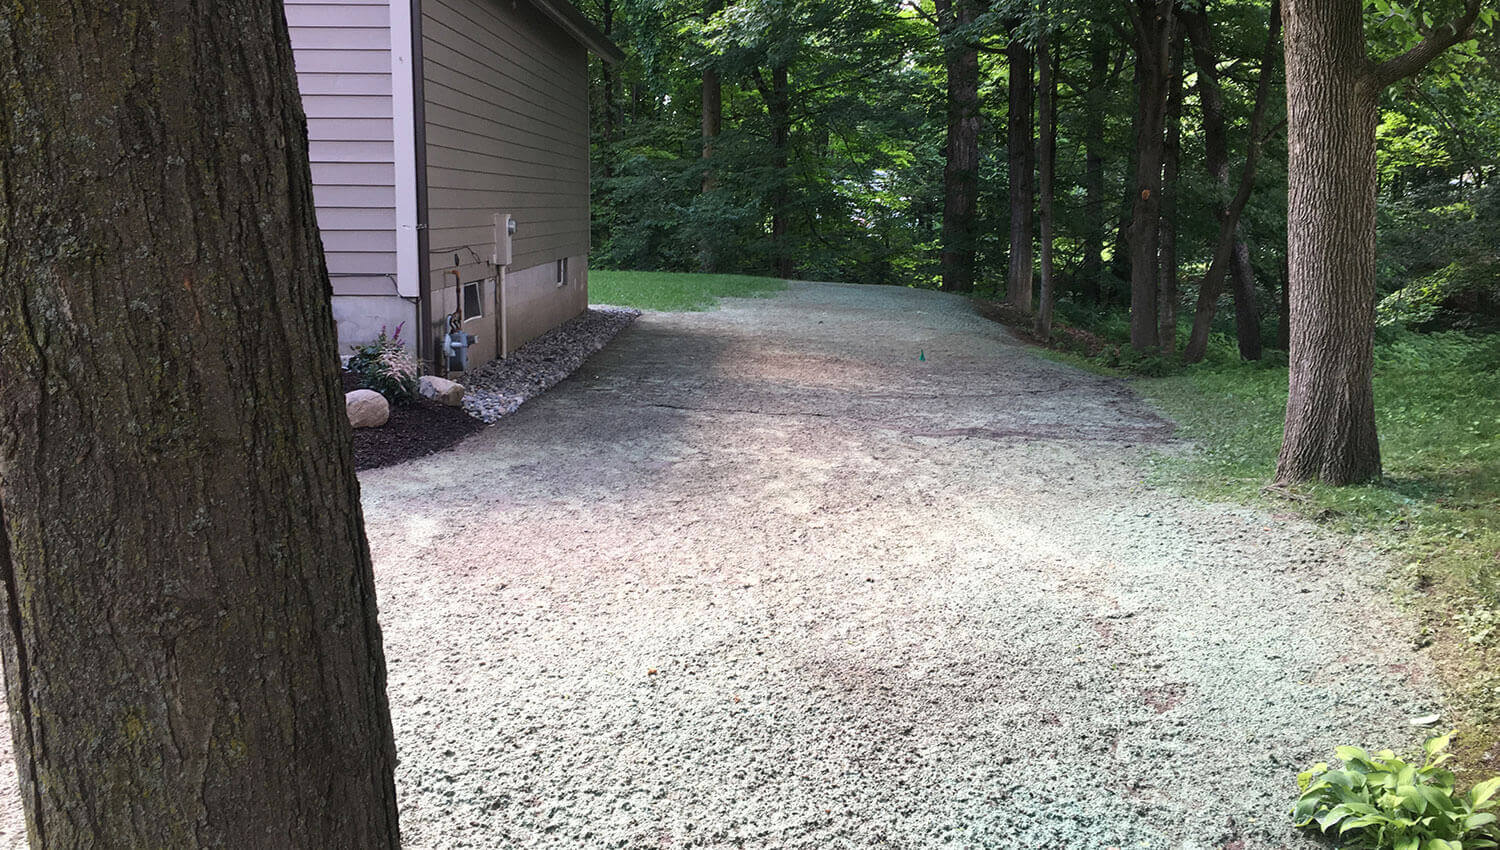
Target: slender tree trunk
{"type": "Point", "coordinates": [1093, 167]}
{"type": "Point", "coordinates": [1154, 22]}
{"type": "Point", "coordinates": [778, 98]}
{"type": "Point", "coordinates": [712, 123]}
{"type": "Point", "coordinates": [609, 130]}
{"type": "Point", "coordinates": [1166, 292]}
{"type": "Point", "coordinates": [1231, 242]}
{"type": "Point", "coordinates": [1246, 311]}
{"type": "Point", "coordinates": [712, 111]}
{"type": "Point", "coordinates": [1284, 315]}
{"type": "Point", "coordinates": [1047, 159]}
{"type": "Point", "coordinates": [1022, 142]}
{"type": "Point", "coordinates": [961, 170]}
{"type": "Point", "coordinates": [192, 657]}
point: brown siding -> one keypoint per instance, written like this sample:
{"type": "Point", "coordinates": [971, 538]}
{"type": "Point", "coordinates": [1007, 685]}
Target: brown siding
{"type": "Point", "coordinates": [507, 131]}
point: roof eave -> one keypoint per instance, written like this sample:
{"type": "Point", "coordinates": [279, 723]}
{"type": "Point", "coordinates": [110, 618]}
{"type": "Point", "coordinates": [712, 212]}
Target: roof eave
{"type": "Point", "coordinates": [567, 16]}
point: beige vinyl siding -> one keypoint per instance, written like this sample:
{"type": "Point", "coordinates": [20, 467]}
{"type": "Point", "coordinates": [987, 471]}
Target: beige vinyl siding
{"type": "Point", "coordinates": [506, 103]}
{"type": "Point", "coordinates": [343, 56]}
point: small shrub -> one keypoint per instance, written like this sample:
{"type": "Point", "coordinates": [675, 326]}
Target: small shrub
{"type": "Point", "coordinates": [387, 367]}
{"type": "Point", "coordinates": [1380, 802]}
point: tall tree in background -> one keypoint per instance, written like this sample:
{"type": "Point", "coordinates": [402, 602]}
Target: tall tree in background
{"type": "Point", "coordinates": [1332, 91]}
{"type": "Point", "coordinates": [1153, 23]}
{"type": "Point", "coordinates": [192, 657]}
{"type": "Point", "coordinates": [1021, 135]}
{"type": "Point", "coordinates": [1096, 97]}
{"type": "Point", "coordinates": [711, 102]}
{"type": "Point", "coordinates": [1046, 172]}
{"type": "Point", "coordinates": [1166, 249]}
{"type": "Point", "coordinates": [955, 21]}
{"type": "Point", "coordinates": [1231, 255]}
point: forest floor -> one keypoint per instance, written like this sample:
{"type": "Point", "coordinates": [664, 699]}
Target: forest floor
{"type": "Point", "coordinates": [852, 566]}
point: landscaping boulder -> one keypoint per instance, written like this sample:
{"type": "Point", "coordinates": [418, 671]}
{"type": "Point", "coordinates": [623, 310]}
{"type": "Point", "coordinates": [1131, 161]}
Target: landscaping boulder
{"type": "Point", "coordinates": [442, 391]}
{"type": "Point", "coordinates": [366, 408]}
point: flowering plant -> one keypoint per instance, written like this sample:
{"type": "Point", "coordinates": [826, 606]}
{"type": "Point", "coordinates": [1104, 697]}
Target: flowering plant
{"type": "Point", "coordinates": [387, 366]}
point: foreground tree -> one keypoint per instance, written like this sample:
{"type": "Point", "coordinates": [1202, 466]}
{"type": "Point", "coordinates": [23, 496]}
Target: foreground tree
{"type": "Point", "coordinates": [192, 657]}
{"type": "Point", "coordinates": [1332, 90]}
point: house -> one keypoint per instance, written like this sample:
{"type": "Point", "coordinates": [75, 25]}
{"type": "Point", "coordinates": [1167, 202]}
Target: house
{"type": "Point", "coordinates": [449, 142]}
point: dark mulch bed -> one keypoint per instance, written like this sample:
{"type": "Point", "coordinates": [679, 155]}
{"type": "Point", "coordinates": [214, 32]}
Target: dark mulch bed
{"type": "Point", "coordinates": [412, 432]}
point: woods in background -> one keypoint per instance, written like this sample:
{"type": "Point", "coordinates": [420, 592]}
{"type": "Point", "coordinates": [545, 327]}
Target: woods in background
{"type": "Point", "coordinates": [1104, 159]}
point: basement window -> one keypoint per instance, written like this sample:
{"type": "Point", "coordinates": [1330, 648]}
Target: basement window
{"type": "Point", "coordinates": [473, 300]}
{"type": "Point", "coordinates": [562, 272]}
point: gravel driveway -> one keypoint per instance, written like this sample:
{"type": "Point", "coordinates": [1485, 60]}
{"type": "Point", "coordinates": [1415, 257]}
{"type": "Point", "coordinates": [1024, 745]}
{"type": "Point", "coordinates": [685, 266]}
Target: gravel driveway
{"type": "Point", "coordinates": [764, 577]}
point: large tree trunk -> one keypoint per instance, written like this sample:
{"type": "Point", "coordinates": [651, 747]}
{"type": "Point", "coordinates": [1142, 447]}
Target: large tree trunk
{"type": "Point", "coordinates": [1166, 289]}
{"type": "Point", "coordinates": [1154, 22]}
{"type": "Point", "coordinates": [1093, 167]}
{"type": "Point", "coordinates": [1332, 91]}
{"type": "Point", "coordinates": [1231, 243]}
{"type": "Point", "coordinates": [961, 170]}
{"type": "Point", "coordinates": [1047, 159]}
{"type": "Point", "coordinates": [1022, 149]}
{"type": "Point", "coordinates": [192, 657]}
{"type": "Point", "coordinates": [1331, 118]}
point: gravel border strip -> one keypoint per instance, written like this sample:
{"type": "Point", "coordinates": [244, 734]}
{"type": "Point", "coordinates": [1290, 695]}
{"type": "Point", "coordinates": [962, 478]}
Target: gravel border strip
{"type": "Point", "coordinates": [499, 387]}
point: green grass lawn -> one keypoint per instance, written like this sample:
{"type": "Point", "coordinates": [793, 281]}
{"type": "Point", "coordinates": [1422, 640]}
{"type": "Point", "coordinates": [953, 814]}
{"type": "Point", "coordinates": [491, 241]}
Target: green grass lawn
{"type": "Point", "coordinates": [675, 292]}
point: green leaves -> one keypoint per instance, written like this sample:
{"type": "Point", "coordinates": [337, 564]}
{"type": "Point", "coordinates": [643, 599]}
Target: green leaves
{"type": "Point", "coordinates": [1380, 802]}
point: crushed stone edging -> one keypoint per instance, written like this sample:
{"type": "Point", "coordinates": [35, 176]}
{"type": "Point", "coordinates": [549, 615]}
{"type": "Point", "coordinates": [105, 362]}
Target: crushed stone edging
{"type": "Point", "coordinates": [498, 388]}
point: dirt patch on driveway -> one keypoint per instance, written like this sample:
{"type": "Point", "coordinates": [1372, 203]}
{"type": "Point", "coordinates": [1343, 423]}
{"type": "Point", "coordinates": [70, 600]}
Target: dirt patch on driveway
{"type": "Point", "coordinates": [850, 567]}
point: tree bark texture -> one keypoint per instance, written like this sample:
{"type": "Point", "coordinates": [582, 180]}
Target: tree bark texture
{"type": "Point", "coordinates": [192, 656]}
{"type": "Point", "coordinates": [1332, 111]}
{"type": "Point", "coordinates": [1331, 120]}
{"type": "Point", "coordinates": [1154, 22]}
{"type": "Point", "coordinates": [961, 168]}
{"type": "Point", "coordinates": [1021, 130]}
{"type": "Point", "coordinates": [1230, 245]}
{"type": "Point", "coordinates": [1166, 264]}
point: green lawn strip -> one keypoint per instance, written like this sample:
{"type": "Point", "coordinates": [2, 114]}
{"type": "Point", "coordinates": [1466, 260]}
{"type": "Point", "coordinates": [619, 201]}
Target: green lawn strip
{"type": "Point", "coordinates": [673, 291]}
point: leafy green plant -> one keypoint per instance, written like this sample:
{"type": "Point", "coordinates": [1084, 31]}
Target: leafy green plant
{"type": "Point", "coordinates": [1379, 802]}
{"type": "Point", "coordinates": [387, 366]}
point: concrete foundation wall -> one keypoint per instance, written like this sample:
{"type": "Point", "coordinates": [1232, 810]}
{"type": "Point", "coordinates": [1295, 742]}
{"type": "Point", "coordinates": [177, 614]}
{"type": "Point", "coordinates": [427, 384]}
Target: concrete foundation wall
{"type": "Point", "coordinates": [535, 303]}
{"type": "Point", "coordinates": [360, 318]}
